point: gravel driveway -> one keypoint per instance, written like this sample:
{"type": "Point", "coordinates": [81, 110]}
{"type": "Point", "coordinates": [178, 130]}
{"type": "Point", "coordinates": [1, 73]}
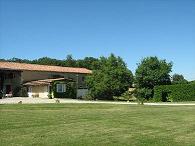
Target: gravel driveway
{"type": "Point", "coordinates": [29, 100]}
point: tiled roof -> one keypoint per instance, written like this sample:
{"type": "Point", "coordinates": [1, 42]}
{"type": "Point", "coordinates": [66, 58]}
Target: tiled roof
{"type": "Point", "coordinates": [45, 68]}
{"type": "Point", "coordinates": [44, 82]}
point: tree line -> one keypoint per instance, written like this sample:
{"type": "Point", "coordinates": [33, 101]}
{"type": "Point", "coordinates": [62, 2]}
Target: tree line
{"type": "Point", "coordinates": [111, 77]}
{"type": "Point", "coordinates": [88, 62]}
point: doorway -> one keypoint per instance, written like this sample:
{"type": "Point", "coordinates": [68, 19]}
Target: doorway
{"type": "Point", "coordinates": [8, 89]}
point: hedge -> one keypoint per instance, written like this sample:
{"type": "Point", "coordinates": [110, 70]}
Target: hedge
{"type": "Point", "coordinates": [178, 92]}
{"type": "Point", "coordinates": [70, 90]}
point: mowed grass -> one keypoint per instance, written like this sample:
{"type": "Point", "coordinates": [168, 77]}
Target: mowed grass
{"type": "Point", "coordinates": [96, 124]}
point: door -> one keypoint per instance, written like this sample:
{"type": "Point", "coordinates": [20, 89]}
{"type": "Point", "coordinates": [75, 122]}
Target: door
{"type": "Point", "coordinates": [8, 89]}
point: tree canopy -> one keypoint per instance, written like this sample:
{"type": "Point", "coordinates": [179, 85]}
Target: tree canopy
{"type": "Point", "coordinates": [87, 62]}
{"type": "Point", "coordinates": [149, 73]}
{"type": "Point", "coordinates": [111, 79]}
{"type": "Point", "coordinates": [178, 79]}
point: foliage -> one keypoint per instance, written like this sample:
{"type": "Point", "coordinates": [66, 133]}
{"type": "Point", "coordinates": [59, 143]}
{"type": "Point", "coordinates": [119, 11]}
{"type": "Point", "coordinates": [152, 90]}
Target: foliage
{"type": "Point", "coordinates": [47, 61]}
{"type": "Point", "coordinates": [112, 79]}
{"type": "Point", "coordinates": [126, 96]}
{"type": "Point", "coordinates": [20, 91]}
{"type": "Point", "coordinates": [49, 96]}
{"type": "Point", "coordinates": [87, 62]}
{"type": "Point", "coordinates": [178, 92]}
{"type": "Point", "coordinates": [151, 72]}
{"type": "Point", "coordinates": [178, 79]}
{"type": "Point", "coordinates": [70, 90]}
{"type": "Point", "coordinates": [70, 61]}
{"type": "Point", "coordinates": [87, 97]}
{"type": "Point", "coordinates": [143, 94]}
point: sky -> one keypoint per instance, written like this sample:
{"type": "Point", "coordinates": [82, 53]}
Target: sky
{"type": "Point", "coordinates": [131, 29]}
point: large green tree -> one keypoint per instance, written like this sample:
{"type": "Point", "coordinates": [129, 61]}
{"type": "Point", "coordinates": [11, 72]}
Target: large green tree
{"type": "Point", "coordinates": [151, 72]}
{"type": "Point", "coordinates": [111, 79]}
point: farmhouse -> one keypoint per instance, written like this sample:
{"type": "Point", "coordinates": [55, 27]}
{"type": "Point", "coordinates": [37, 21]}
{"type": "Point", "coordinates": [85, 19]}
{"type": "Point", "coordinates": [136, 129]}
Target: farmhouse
{"type": "Point", "coordinates": [41, 80]}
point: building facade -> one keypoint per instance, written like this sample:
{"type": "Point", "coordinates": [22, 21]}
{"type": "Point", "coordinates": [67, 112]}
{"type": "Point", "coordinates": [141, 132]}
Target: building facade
{"type": "Point", "coordinates": [14, 74]}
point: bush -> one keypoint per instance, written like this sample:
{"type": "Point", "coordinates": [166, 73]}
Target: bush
{"type": "Point", "coordinates": [143, 94]}
{"type": "Point", "coordinates": [126, 96]}
{"type": "Point", "coordinates": [70, 90]}
{"type": "Point", "coordinates": [178, 92]}
{"type": "Point", "coordinates": [87, 97]}
{"type": "Point", "coordinates": [49, 96]}
{"type": "Point", "coordinates": [20, 91]}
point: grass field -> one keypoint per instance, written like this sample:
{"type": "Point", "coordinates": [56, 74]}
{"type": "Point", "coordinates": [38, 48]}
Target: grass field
{"type": "Point", "coordinates": [96, 124]}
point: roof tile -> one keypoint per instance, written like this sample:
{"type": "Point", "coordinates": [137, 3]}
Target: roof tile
{"type": "Point", "coordinates": [44, 68]}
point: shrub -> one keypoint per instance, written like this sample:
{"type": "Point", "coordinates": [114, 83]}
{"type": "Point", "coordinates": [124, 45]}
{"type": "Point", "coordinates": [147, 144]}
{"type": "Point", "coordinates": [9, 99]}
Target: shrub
{"type": "Point", "coordinates": [49, 96]}
{"type": "Point", "coordinates": [178, 92]}
{"type": "Point", "coordinates": [70, 90]}
{"type": "Point", "coordinates": [20, 91]}
{"type": "Point", "coordinates": [143, 94]}
{"type": "Point", "coordinates": [87, 97]}
{"type": "Point", "coordinates": [126, 96]}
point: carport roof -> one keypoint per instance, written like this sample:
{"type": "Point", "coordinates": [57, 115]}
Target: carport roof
{"type": "Point", "coordinates": [44, 82]}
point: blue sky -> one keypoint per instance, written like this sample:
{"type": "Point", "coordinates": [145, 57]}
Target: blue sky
{"type": "Point", "coordinates": [131, 29]}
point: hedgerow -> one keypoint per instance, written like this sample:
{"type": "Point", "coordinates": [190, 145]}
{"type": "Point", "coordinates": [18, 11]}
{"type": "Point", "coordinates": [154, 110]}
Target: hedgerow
{"type": "Point", "coordinates": [179, 92]}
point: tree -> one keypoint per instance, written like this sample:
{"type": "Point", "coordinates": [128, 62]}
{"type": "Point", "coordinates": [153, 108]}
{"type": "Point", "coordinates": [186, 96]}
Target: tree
{"type": "Point", "coordinates": [112, 79]}
{"type": "Point", "coordinates": [178, 79]}
{"type": "Point", "coordinates": [151, 72]}
{"type": "Point", "coordinates": [47, 61]}
{"type": "Point", "coordinates": [70, 62]}
{"type": "Point", "coordinates": [89, 62]}
{"type": "Point", "coordinates": [18, 60]}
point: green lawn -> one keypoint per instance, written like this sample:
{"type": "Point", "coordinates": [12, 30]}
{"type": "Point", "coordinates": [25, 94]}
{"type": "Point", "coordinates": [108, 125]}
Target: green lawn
{"type": "Point", "coordinates": [96, 124]}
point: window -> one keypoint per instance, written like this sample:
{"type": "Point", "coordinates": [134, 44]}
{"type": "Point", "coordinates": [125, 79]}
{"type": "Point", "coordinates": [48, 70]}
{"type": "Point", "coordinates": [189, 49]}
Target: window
{"type": "Point", "coordinates": [83, 79]}
{"type": "Point", "coordinates": [61, 88]}
{"type": "Point", "coordinates": [9, 76]}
